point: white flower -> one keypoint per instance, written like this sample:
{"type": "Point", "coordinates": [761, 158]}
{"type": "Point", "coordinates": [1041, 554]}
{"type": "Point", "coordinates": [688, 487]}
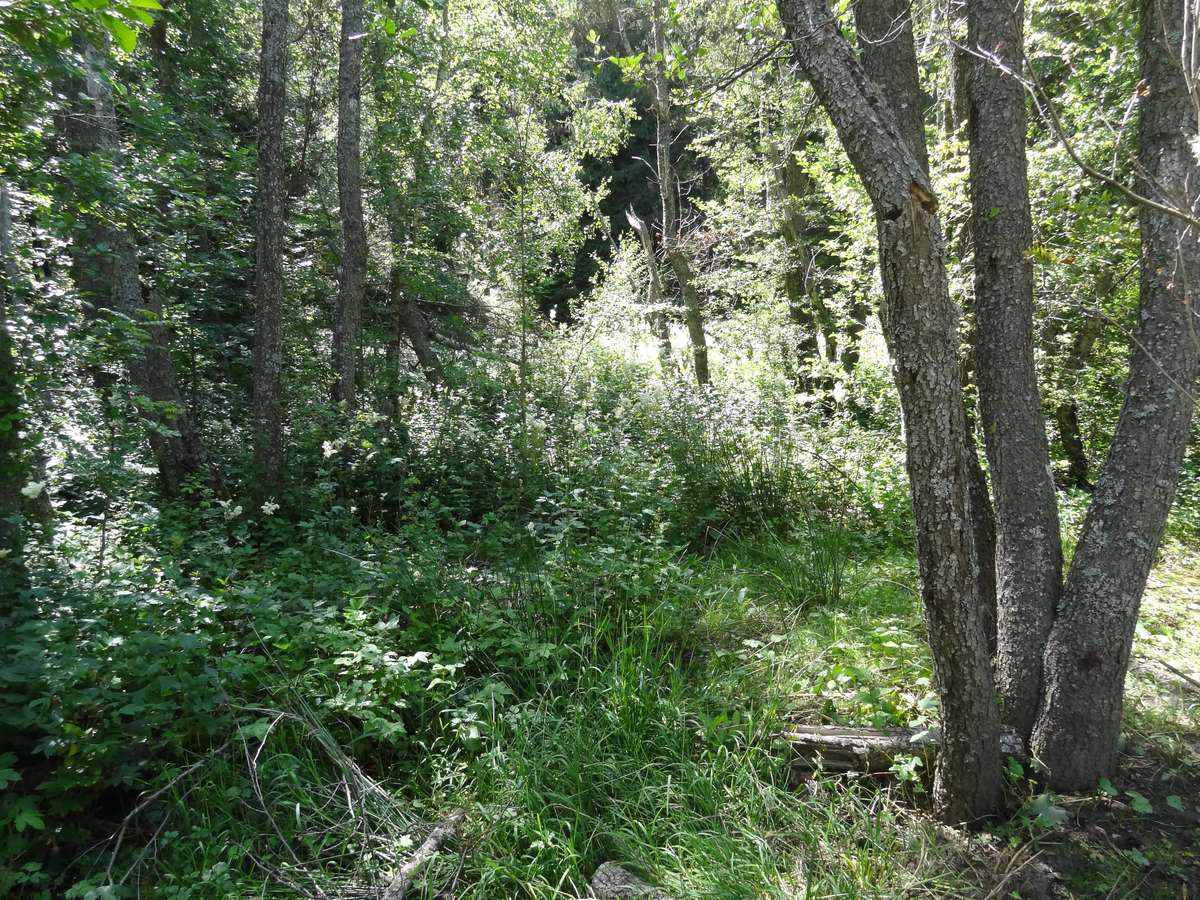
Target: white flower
{"type": "Point", "coordinates": [328, 449]}
{"type": "Point", "coordinates": [5, 552]}
{"type": "Point", "coordinates": [233, 513]}
{"type": "Point", "coordinates": [270, 508]}
{"type": "Point", "coordinates": [34, 488]}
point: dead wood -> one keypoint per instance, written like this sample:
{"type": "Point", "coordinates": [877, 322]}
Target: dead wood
{"type": "Point", "coordinates": [442, 832]}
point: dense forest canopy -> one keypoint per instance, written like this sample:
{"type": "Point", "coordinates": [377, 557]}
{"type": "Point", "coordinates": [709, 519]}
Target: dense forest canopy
{"type": "Point", "coordinates": [493, 448]}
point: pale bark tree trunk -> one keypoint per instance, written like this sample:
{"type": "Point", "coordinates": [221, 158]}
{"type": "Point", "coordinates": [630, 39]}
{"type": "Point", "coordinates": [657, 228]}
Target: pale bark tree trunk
{"type": "Point", "coordinates": [353, 274]}
{"type": "Point", "coordinates": [889, 58]}
{"type": "Point", "coordinates": [13, 575]}
{"type": "Point", "coordinates": [806, 305]}
{"type": "Point", "coordinates": [667, 186]}
{"type": "Point", "coordinates": [409, 320]}
{"type": "Point", "coordinates": [656, 315]}
{"type": "Point", "coordinates": [268, 344]}
{"type": "Point", "coordinates": [1077, 732]}
{"type": "Point", "coordinates": [110, 281]}
{"type": "Point", "coordinates": [920, 323]}
{"type": "Point", "coordinates": [1028, 545]}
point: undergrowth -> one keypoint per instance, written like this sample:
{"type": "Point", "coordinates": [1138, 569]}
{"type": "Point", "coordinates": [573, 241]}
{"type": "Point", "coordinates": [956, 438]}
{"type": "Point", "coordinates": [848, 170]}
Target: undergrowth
{"type": "Point", "coordinates": [583, 618]}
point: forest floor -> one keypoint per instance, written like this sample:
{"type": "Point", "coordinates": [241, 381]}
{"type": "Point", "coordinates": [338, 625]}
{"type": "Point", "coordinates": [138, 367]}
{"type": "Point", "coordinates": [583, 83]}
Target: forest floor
{"type": "Point", "coordinates": [601, 704]}
{"type": "Point", "coordinates": [863, 662]}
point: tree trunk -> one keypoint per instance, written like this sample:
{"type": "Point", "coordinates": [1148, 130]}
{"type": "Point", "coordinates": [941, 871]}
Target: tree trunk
{"type": "Point", "coordinates": [656, 316]}
{"type": "Point", "coordinates": [13, 575]}
{"type": "Point", "coordinates": [353, 273]}
{"type": "Point", "coordinates": [806, 306]}
{"type": "Point", "coordinates": [889, 56]}
{"type": "Point", "coordinates": [268, 295]}
{"type": "Point", "coordinates": [107, 274]}
{"type": "Point", "coordinates": [920, 323]}
{"type": "Point", "coordinates": [1028, 545]}
{"type": "Point", "coordinates": [413, 325]}
{"type": "Point", "coordinates": [1070, 370]}
{"type": "Point", "coordinates": [1088, 652]}
{"type": "Point", "coordinates": [667, 185]}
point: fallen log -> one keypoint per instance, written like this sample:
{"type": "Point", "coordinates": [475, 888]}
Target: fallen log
{"type": "Point", "coordinates": [834, 748]}
{"type": "Point", "coordinates": [442, 832]}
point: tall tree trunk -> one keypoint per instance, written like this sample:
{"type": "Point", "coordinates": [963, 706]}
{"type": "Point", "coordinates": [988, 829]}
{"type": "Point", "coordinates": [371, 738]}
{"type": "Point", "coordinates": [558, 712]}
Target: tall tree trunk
{"type": "Point", "coordinates": [806, 305]}
{"type": "Point", "coordinates": [13, 575]}
{"type": "Point", "coordinates": [1068, 372]}
{"type": "Point", "coordinates": [1087, 655]}
{"type": "Point", "coordinates": [107, 273]}
{"type": "Point", "coordinates": [667, 186]}
{"type": "Point", "coordinates": [920, 323]}
{"type": "Point", "coordinates": [889, 57]}
{"type": "Point", "coordinates": [1066, 412]}
{"type": "Point", "coordinates": [656, 315]}
{"type": "Point", "coordinates": [268, 344]}
{"type": "Point", "coordinates": [1028, 544]}
{"type": "Point", "coordinates": [353, 274]}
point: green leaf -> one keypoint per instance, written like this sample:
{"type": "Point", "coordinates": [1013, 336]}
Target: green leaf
{"type": "Point", "coordinates": [1173, 801]}
{"type": "Point", "coordinates": [1107, 789]}
{"type": "Point", "coordinates": [8, 774]}
{"type": "Point", "coordinates": [1138, 802]}
{"type": "Point", "coordinates": [144, 4]}
{"type": "Point", "coordinates": [1137, 856]}
{"type": "Point", "coordinates": [28, 817]}
{"type": "Point", "coordinates": [1047, 811]}
{"type": "Point", "coordinates": [256, 729]}
{"type": "Point", "coordinates": [124, 35]}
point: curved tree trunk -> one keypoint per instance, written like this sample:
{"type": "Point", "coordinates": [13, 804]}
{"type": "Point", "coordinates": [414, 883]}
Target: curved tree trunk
{"type": "Point", "coordinates": [1028, 545]}
{"type": "Point", "coordinates": [107, 274]}
{"type": "Point", "coordinates": [672, 248]}
{"type": "Point", "coordinates": [353, 273]}
{"type": "Point", "coordinates": [920, 323]}
{"type": "Point", "coordinates": [1087, 655]}
{"type": "Point", "coordinates": [268, 297]}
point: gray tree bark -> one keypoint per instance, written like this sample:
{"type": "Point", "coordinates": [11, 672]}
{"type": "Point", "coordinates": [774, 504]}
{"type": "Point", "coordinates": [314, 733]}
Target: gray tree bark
{"type": "Point", "coordinates": [267, 409]}
{"type": "Point", "coordinates": [920, 323]}
{"type": "Point", "coordinates": [1028, 544]}
{"type": "Point", "coordinates": [1087, 655]}
{"type": "Point", "coordinates": [806, 305]}
{"type": "Point", "coordinates": [353, 273]}
{"type": "Point", "coordinates": [656, 317]}
{"type": "Point", "coordinates": [889, 57]}
{"type": "Point", "coordinates": [14, 577]}
{"type": "Point", "coordinates": [667, 186]}
{"type": "Point", "coordinates": [106, 270]}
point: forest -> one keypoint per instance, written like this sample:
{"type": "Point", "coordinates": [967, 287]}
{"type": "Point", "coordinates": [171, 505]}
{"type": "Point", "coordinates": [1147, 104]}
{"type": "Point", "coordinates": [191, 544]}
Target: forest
{"type": "Point", "coordinates": [599, 448]}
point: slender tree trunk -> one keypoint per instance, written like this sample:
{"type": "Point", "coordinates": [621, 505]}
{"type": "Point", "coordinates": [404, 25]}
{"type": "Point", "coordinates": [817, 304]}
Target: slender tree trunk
{"type": "Point", "coordinates": [667, 185]}
{"type": "Point", "coordinates": [107, 273]}
{"type": "Point", "coordinates": [13, 575]}
{"type": "Point", "coordinates": [268, 344]}
{"type": "Point", "coordinates": [1087, 655]}
{"type": "Point", "coordinates": [656, 315]}
{"type": "Point", "coordinates": [1070, 370]}
{"type": "Point", "coordinates": [920, 323]}
{"type": "Point", "coordinates": [353, 273]}
{"type": "Point", "coordinates": [806, 305]}
{"type": "Point", "coordinates": [1028, 545]}
{"type": "Point", "coordinates": [889, 57]}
